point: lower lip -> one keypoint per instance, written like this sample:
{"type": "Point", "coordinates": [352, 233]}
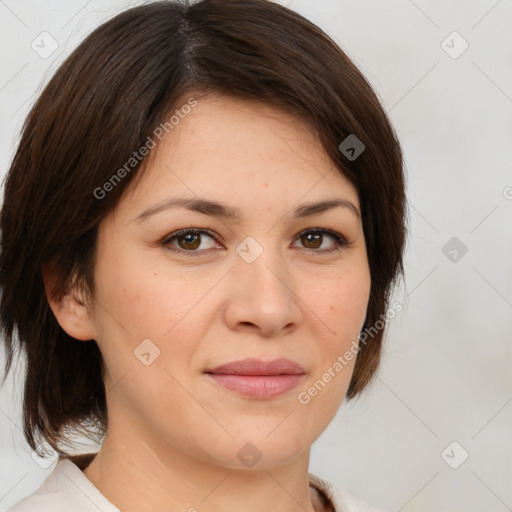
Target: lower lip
{"type": "Point", "coordinates": [258, 386]}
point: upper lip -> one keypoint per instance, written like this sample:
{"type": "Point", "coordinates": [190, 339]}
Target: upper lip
{"type": "Point", "coordinates": [254, 366]}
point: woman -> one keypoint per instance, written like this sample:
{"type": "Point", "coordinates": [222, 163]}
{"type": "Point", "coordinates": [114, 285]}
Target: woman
{"type": "Point", "coordinates": [201, 228]}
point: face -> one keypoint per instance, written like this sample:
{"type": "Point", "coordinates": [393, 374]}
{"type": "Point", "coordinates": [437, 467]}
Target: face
{"type": "Point", "coordinates": [278, 289]}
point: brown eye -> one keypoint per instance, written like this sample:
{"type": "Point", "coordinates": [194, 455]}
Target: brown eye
{"type": "Point", "coordinates": [191, 241]}
{"type": "Point", "coordinates": [314, 239]}
{"type": "Point", "coordinates": [311, 240]}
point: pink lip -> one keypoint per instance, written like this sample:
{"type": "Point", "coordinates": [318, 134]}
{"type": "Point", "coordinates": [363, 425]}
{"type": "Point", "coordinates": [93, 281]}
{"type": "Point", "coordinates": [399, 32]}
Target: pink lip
{"type": "Point", "coordinates": [258, 379]}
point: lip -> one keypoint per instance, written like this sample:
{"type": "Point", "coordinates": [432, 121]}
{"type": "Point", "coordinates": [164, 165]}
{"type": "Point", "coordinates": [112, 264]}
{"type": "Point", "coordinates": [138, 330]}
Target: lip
{"type": "Point", "coordinates": [258, 379]}
{"type": "Point", "coordinates": [255, 366]}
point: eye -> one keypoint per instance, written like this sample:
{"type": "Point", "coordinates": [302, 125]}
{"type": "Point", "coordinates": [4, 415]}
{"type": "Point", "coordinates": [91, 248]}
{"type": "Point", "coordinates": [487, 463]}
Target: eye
{"type": "Point", "coordinates": [188, 240]}
{"type": "Point", "coordinates": [313, 240]}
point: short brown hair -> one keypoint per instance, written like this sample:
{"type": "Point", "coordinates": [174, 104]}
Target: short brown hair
{"type": "Point", "coordinates": [102, 104]}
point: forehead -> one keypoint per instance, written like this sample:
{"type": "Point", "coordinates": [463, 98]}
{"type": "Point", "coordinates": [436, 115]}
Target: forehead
{"type": "Point", "coordinates": [241, 153]}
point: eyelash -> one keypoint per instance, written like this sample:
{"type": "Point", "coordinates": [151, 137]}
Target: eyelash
{"type": "Point", "coordinates": [340, 240]}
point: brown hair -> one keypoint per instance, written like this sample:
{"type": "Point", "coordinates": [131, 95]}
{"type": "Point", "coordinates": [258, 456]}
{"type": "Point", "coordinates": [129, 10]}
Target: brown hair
{"type": "Point", "coordinates": [103, 103]}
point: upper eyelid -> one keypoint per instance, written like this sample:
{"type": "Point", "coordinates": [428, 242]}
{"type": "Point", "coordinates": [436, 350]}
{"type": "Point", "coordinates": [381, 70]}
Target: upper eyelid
{"type": "Point", "coordinates": [203, 231]}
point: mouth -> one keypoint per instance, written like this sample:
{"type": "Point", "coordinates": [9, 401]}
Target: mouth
{"type": "Point", "coordinates": [258, 379]}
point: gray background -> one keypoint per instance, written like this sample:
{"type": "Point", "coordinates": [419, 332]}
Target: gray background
{"type": "Point", "coordinates": [446, 372]}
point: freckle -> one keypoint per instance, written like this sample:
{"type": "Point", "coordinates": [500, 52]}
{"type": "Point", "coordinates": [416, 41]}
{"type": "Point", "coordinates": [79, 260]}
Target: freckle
{"type": "Point", "coordinates": [156, 273]}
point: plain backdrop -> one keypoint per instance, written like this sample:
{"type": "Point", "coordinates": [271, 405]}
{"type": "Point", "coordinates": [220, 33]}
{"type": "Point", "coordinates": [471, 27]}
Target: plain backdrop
{"type": "Point", "coordinates": [434, 430]}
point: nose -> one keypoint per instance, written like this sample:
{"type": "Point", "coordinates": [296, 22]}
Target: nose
{"type": "Point", "coordinates": [261, 296]}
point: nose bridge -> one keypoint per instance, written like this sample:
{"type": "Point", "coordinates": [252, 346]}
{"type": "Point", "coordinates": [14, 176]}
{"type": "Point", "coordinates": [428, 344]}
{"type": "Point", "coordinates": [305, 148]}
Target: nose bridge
{"type": "Point", "coordinates": [261, 289]}
{"type": "Point", "coordinates": [264, 265]}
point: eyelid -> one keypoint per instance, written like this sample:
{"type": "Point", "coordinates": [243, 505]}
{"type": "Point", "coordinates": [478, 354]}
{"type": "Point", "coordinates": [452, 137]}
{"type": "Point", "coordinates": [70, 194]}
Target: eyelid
{"type": "Point", "coordinates": [185, 231]}
{"type": "Point", "coordinates": [340, 241]}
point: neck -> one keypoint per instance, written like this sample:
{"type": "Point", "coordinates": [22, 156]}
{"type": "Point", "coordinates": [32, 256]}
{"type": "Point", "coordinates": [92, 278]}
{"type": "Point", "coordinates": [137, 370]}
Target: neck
{"type": "Point", "coordinates": [138, 474]}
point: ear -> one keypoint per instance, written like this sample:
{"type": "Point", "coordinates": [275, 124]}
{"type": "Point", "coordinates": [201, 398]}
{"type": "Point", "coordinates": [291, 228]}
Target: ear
{"type": "Point", "coordinates": [71, 311]}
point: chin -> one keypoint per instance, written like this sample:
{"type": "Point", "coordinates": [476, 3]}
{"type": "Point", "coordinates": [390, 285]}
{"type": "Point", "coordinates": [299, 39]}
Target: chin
{"type": "Point", "coordinates": [259, 451]}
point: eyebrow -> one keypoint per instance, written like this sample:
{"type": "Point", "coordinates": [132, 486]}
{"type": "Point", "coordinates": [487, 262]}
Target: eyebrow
{"type": "Point", "coordinates": [217, 209]}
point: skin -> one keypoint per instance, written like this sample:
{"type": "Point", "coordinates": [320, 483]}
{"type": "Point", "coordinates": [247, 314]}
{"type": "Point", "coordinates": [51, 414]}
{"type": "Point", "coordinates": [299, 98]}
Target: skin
{"type": "Point", "coordinates": [173, 434]}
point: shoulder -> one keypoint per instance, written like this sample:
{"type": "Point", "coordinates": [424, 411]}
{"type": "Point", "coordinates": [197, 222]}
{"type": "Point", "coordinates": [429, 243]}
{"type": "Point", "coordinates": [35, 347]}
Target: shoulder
{"type": "Point", "coordinates": [65, 488]}
{"type": "Point", "coordinates": [39, 503]}
{"type": "Point", "coordinates": [341, 500]}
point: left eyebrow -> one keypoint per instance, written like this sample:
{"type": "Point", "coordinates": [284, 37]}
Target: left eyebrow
{"type": "Point", "coordinates": [216, 209]}
{"type": "Point", "coordinates": [312, 208]}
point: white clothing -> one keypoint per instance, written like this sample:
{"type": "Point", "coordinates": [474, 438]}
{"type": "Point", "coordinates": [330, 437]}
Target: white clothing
{"type": "Point", "coordinates": [67, 489]}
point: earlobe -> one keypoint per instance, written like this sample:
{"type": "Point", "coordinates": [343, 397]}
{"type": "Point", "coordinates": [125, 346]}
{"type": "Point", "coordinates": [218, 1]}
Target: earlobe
{"type": "Point", "coordinates": [71, 310]}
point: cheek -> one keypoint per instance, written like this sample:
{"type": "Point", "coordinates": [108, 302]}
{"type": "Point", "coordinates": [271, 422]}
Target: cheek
{"type": "Point", "coordinates": [144, 299]}
{"type": "Point", "coordinates": [154, 310]}
{"type": "Point", "coordinates": [345, 302]}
